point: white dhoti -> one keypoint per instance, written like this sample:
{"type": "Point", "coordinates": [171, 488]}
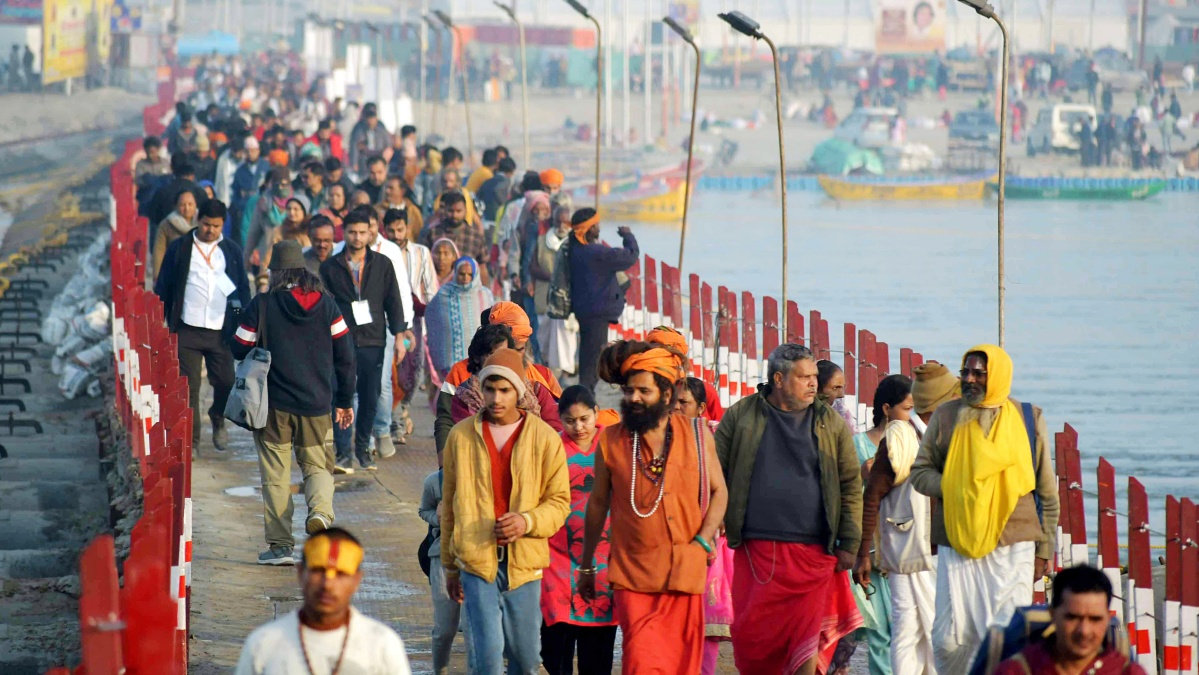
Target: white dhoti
{"type": "Point", "coordinates": [559, 342]}
{"type": "Point", "coordinates": [975, 594]}
{"type": "Point", "coordinates": [913, 605]}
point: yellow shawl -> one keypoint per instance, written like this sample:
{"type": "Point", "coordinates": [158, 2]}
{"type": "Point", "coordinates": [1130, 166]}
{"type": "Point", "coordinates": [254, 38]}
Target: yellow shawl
{"type": "Point", "coordinates": [986, 474]}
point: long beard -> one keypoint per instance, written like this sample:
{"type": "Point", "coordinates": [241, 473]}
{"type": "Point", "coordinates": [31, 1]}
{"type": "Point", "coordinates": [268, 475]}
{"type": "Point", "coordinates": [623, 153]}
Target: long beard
{"type": "Point", "coordinates": [640, 418]}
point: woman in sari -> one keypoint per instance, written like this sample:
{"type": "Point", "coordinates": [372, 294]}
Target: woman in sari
{"type": "Point", "coordinates": [452, 316]}
{"type": "Point", "coordinates": [444, 252]}
{"type": "Point", "coordinates": [293, 228]}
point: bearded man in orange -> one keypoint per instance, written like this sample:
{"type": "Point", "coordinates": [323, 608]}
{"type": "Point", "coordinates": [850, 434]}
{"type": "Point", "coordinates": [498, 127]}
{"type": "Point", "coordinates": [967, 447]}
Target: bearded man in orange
{"type": "Point", "coordinates": [985, 462]}
{"type": "Point", "coordinates": [511, 315]}
{"type": "Point", "coordinates": [658, 476]}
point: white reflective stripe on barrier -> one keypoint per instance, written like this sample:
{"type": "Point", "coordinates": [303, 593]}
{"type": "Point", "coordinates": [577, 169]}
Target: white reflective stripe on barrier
{"type": "Point", "coordinates": [1146, 636]}
{"type": "Point", "coordinates": [187, 540]}
{"type": "Point", "coordinates": [1171, 639]}
{"type": "Point", "coordinates": [1080, 554]}
{"type": "Point", "coordinates": [1189, 659]}
{"type": "Point", "coordinates": [722, 380]}
{"type": "Point", "coordinates": [1065, 551]}
{"type": "Point", "coordinates": [1113, 575]}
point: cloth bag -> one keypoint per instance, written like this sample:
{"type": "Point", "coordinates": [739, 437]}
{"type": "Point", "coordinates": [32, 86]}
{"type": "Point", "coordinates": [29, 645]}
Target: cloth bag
{"type": "Point", "coordinates": [558, 301]}
{"type": "Point", "coordinates": [248, 402]}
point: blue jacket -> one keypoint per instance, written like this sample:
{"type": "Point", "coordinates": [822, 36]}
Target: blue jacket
{"type": "Point", "coordinates": [172, 280]}
{"type": "Point", "coordinates": [594, 291]}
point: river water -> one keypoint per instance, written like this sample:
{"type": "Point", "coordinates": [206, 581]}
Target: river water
{"type": "Point", "coordinates": [1102, 303]}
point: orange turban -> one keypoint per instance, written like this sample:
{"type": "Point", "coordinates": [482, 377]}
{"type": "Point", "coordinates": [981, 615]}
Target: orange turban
{"type": "Point", "coordinates": [552, 178]}
{"type": "Point", "coordinates": [658, 361]}
{"type": "Point", "coordinates": [584, 227]}
{"type": "Point", "coordinates": [278, 158]}
{"type": "Point", "coordinates": [667, 337]}
{"type": "Point", "coordinates": [511, 315]}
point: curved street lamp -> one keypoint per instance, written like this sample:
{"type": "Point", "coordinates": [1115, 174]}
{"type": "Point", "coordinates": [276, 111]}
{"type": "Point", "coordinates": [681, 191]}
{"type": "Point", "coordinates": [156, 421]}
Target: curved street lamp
{"type": "Point", "coordinates": [599, 87]}
{"type": "Point", "coordinates": [985, 10]}
{"type": "Point", "coordinates": [750, 28]}
{"type": "Point", "coordinates": [524, 78]}
{"type": "Point", "coordinates": [436, 30]}
{"type": "Point", "coordinates": [470, 137]}
{"type": "Point", "coordinates": [689, 39]}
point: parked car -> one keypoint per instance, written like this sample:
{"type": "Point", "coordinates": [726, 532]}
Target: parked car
{"type": "Point", "coordinates": [975, 127]}
{"type": "Point", "coordinates": [1056, 127]}
{"type": "Point", "coordinates": [868, 127]}
{"type": "Point", "coordinates": [1118, 73]}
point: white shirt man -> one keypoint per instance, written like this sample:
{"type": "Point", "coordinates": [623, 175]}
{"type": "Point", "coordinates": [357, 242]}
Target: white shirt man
{"type": "Point", "coordinates": [205, 295]}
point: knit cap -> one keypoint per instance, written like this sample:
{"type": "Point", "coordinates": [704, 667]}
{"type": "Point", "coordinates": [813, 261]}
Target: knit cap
{"type": "Point", "coordinates": [933, 385]}
{"type": "Point", "coordinates": [508, 364]}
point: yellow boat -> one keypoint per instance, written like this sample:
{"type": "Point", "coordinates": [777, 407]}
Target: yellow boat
{"type": "Point", "coordinates": [660, 206]}
{"type": "Point", "coordinates": [851, 189]}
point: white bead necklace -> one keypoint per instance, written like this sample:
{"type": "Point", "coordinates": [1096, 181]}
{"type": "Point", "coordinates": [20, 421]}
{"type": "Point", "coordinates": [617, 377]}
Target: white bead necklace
{"type": "Point", "coordinates": [633, 482]}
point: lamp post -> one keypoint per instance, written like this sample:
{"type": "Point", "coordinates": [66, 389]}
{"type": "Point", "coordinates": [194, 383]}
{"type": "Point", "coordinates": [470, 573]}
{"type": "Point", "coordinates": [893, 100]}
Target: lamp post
{"type": "Point", "coordinates": [470, 137]}
{"type": "Point", "coordinates": [599, 88]}
{"type": "Point", "coordinates": [687, 37]}
{"type": "Point", "coordinates": [985, 10]}
{"type": "Point", "coordinates": [524, 78]}
{"type": "Point", "coordinates": [435, 29]}
{"type": "Point", "coordinates": [748, 27]}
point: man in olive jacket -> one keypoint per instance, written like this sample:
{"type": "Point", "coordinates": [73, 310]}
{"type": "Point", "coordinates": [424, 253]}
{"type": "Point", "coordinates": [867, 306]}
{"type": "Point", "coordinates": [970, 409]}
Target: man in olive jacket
{"type": "Point", "coordinates": [794, 515]}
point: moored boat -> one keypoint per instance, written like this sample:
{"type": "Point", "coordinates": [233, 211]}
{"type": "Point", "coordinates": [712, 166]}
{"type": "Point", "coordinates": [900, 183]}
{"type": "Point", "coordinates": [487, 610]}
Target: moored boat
{"type": "Point", "coordinates": [1031, 188]}
{"type": "Point", "coordinates": [661, 204]}
{"type": "Point", "coordinates": [852, 188]}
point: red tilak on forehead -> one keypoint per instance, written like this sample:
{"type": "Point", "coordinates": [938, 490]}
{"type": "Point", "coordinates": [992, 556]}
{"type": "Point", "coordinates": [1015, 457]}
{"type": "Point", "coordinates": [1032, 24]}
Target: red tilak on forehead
{"type": "Point", "coordinates": [334, 549]}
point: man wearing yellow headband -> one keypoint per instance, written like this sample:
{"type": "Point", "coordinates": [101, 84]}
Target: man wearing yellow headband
{"type": "Point", "coordinates": [597, 298]}
{"type": "Point", "coordinates": [657, 474]}
{"type": "Point", "coordinates": [326, 635]}
{"type": "Point", "coordinates": [985, 461]}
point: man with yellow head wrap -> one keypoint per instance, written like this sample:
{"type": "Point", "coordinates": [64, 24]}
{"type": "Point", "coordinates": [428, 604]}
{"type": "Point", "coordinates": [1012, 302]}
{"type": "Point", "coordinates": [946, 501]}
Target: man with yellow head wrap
{"type": "Point", "coordinates": [657, 474]}
{"type": "Point", "coordinates": [327, 634]}
{"type": "Point", "coordinates": [985, 462]}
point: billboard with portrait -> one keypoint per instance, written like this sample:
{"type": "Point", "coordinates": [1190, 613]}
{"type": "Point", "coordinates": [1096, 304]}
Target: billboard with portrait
{"type": "Point", "coordinates": [910, 26]}
{"type": "Point", "coordinates": [64, 39]}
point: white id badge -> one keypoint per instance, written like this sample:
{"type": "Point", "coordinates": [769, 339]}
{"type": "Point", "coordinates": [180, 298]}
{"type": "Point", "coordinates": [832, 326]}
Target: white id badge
{"type": "Point", "coordinates": [362, 312]}
{"type": "Point", "coordinates": [225, 285]}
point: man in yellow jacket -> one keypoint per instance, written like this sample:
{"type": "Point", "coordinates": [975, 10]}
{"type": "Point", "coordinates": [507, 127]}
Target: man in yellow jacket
{"type": "Point", "coordinates": [506, 491]}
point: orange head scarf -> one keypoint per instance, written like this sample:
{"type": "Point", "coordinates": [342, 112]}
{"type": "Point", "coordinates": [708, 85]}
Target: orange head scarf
{"type": "Point", "coordinates": [278, 158]}
{"type": "Point", "coordinates": [584, 227]}
{"type": "Point", "coordinates": [658, 361]}
{"type": "Point", "coordinates": [511, 315]}
{"type": "Point", "coordinates": [552, 178]}
{"type": "Point", "coordinates": [668, 337]}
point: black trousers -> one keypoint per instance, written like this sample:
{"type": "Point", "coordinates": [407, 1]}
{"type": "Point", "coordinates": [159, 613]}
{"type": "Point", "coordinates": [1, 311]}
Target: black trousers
{"type": "Point", "coordinates": [197, 347]}
{"type": "Point", "coordinates": [593, 337]}
{"type": "Point", "coordinates": [596, 647]}
{"type": "Point", "coordinates": [369, 362]}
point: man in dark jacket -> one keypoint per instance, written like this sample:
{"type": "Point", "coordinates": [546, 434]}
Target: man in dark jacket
{"type": "Point", "coordinates": [597, 298]}
{"type": "Point", "coordinates": [311, 349]}
{"type": "Point", "coordinates": [368, 139]}
{"type": "Point", "coordinates": [364, 284]}
{"type": "Point", "coordinates": [795, 498]}
{"type": "Point", "coordinates": [201, 285]}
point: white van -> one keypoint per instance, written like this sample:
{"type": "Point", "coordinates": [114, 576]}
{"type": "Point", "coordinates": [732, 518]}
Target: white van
{"type": "Point", "coordinates": [1056, 127]}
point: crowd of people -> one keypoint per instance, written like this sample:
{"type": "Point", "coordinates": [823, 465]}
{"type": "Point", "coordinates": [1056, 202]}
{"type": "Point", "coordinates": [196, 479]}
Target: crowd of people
{"type": "Point", "coordinates": [776, 525]}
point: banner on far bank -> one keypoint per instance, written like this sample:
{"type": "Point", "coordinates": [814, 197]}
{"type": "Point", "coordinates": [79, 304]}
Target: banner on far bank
{"type": "Point", "coordinates": [64, 39]}
{"type": "Point", "coordinates": [910, 26]}
{"type": "Point", "coordinates": [21, 12]}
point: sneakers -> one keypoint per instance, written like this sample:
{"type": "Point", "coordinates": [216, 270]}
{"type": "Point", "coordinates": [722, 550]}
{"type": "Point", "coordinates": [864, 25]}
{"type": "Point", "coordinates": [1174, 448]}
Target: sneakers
{"type": "Point", "coordinates": [316, 523]}
{"type": "Point", "coordinates": [368, 464]}
{"type": "Point", "coordinates": [385, 447]}
{"type": "Point", "coordinates": [277, 555]}
{"type": "Point", "coordinates": [220, 436]}
{"type": "Point", "coordinates": [344, 466]}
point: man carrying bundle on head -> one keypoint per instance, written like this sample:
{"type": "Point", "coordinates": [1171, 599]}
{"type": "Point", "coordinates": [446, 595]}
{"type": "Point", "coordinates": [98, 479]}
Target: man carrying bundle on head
{"type": "Point", "coordinates": [658, 475]}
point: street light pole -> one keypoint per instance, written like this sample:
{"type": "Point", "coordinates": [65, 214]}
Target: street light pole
{"type": "Point", "coordinates": [747, 26]}
{"type": "Point", "coordinates": [470, 137]}
{"type": "Point", "coordinates": [985, 10]}
{"type": "Point", "coordinates": [599, 89]}
{"type": "Point", "coordinates": [687, 37]}
{"type": "Point", "coordinates": [524, 78]}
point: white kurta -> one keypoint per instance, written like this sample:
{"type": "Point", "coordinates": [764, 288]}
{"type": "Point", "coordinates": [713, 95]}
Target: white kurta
{"type": "Point", "coordinates": [274, 649]}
